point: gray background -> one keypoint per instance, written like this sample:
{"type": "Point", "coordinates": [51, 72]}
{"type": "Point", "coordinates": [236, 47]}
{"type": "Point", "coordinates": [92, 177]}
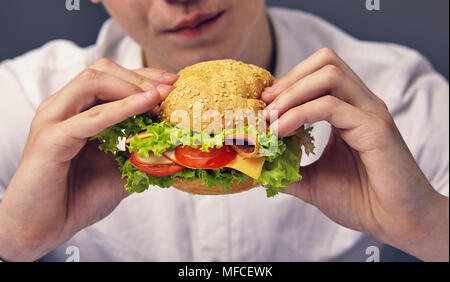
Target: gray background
{"type": "Point", "coordinates": [420, 24]}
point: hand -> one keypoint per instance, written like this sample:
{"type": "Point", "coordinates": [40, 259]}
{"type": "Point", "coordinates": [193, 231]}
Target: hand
{"type": "Point", "coordinates": [63, 182]}
{"type": "Point", "coordinates": [366, 179]}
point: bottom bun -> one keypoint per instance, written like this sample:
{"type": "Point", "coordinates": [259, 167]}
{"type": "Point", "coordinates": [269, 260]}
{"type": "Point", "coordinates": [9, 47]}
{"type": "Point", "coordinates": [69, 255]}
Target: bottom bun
{"type": "Point", "coordinates": [197, 187]}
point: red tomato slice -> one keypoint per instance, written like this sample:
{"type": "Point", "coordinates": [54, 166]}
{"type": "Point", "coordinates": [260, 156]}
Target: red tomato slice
{"type": "Point", "coordinates": [214, 159]}
{"type": "Point", "coordinates": [156, 169]}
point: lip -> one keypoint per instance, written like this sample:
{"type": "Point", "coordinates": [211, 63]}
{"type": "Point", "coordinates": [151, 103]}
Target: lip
{"type": "Point", "coordinates": [196, 24]}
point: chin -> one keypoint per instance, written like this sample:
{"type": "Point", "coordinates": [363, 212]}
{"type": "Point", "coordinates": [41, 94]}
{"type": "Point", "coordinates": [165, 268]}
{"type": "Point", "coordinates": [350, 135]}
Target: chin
{"type": "Point", "coordinates": [209, 54]}
{"type": "Point", "coordinates": [190, 55]}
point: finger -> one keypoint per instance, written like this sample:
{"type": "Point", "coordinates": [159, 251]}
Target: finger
{"type": "Point", "coordinates": [315, 62]}
{"type": "Point", "coordinates": [143, 78]}
{"type": "Point", "coordinates": [164, 90]}
{"type": "Point", "coordinates": [151, 77]}
{"type": "Point", "coordinates": [155, 111]}
{"type": "Point", "coordinates": [158, 75]}
{"type": "Point", "coordinates": [84, 91]}
{"type": "Point", "coordinates": [327, 108]}
{"type": "Point", "coordinates": [302, 188]}
{"type": "Point", "coordinates": [98, 118]}
{"type": "Point", "coordinates": [328, 80]}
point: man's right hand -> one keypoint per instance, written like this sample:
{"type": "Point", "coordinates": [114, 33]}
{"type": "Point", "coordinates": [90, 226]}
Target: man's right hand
{"type": "Point", "coordinates": [63, 183]}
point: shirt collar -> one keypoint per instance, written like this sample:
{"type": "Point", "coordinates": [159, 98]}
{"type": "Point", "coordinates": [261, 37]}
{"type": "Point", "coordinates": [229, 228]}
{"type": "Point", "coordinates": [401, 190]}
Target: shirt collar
{"type": "Point", "coordinates": [288, 51]}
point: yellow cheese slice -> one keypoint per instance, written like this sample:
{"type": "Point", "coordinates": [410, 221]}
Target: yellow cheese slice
{"type": "Point", "coordinates": [251, 167]}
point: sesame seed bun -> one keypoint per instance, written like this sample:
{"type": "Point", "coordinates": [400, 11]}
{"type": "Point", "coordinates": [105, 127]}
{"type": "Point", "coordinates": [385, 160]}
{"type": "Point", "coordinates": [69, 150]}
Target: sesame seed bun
{"type": "Point", "coordinates": [222, 85]}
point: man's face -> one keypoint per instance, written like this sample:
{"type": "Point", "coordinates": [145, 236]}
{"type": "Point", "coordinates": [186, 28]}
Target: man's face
{"type": "Point", "coordinates": [183, 32]}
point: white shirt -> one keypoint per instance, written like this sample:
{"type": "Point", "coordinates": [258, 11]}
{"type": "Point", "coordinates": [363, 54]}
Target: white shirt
{"type": "Point", "coordinates": [170, 225]}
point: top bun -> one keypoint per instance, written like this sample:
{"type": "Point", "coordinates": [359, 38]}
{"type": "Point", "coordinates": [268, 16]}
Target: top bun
{"type": "Point", "coordinates": [222, 85]}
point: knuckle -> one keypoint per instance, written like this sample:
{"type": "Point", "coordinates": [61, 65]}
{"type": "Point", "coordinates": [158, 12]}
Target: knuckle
{"type": "Point", "coordinates": [333, 73]}
{"type": "Point", "coordinates": [95, 112]}
{"type": "Point", "coordinates": [332, 70]}
{"type": "Point", "coordinates": [39, 117]}
{"type": "Point", "coordinates": [331, 101]}
{"type": "Point", "coordinates": [42, 106]}
{"type": "Point", "coordinates": [89, 75]}
{"type": "Point", "coordinates": [35, 124]}
{"type": "Point", "coordinates": [381, 103]}
{"type": "Point", "coordinates": [326, 54]}
{"type": "Point", "coordinates": [47, 102]}
{"type": "Point", "coordinates": [143, 83]}
{"type": "Point", "coordinates": [133, 88]}
{"type": "Point", "coordinates": [102, 64]}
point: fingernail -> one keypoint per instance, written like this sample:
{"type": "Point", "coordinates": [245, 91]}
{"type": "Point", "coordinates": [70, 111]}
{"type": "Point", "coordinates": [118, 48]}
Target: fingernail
{"type": "Point", "coordinates": [170, 76]}
{"type": "Point", "coordinates": [271, 89]}
{"type": "Point", "coordinates": [164, 90]}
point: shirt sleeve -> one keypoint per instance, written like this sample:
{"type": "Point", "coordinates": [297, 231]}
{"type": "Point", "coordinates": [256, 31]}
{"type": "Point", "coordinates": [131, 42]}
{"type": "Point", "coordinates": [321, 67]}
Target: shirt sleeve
{"type": "Point", "coordinates": [420, 111]}
{"type": "Point", "coordinates": [16, 113]}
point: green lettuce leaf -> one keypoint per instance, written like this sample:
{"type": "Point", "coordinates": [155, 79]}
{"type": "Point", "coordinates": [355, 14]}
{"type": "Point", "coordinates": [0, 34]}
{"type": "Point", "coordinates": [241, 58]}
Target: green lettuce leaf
{"type": "Point", "coordinates": [283, 170]}
{"type": "Point", "coordinates": [110, 137]}
{"type": "Point", "coordinates": [159, 142]}
{"type": "Point", "coordinates": [138, 181]}
{"type": "Point", "coordinates": [166, 137]}
{"type": "Point", "coordinates": [280, 169]}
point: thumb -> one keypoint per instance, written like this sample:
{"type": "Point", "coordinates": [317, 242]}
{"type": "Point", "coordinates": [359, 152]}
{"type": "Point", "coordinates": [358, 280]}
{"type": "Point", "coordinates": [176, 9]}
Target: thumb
{"type": "Point", "coordinates": [305, 188]}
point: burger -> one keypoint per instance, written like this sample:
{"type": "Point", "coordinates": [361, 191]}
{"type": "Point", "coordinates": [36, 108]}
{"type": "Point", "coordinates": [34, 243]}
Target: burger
{"type": "Point", "coordinates": [210, 137]}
